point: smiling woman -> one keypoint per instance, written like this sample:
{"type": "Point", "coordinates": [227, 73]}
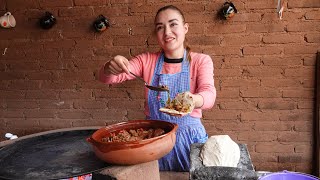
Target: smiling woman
{"type": "Point", "coordinates": [180, 70]}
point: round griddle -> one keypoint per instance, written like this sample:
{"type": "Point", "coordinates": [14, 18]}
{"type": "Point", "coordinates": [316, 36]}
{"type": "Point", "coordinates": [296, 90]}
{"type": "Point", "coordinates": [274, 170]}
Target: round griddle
{"type": "Point", "coordinates": [56, 155]}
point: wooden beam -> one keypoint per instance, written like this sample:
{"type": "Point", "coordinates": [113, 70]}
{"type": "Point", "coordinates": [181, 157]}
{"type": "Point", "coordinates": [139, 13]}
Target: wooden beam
{"type": "Point", "coordinates": [316, 164]}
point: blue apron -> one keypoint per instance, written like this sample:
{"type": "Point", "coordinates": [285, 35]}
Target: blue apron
{"type": "Point", "coordinates": [190, 129]}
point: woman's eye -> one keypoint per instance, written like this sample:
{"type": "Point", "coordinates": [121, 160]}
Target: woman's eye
{"type": "Point", "coordinates": [159, 28]}
{"type": "Point", "coordinates": [173, 24]}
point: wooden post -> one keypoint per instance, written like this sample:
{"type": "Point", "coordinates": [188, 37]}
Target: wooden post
{"type": "Point", "coordinates": [316, 163]}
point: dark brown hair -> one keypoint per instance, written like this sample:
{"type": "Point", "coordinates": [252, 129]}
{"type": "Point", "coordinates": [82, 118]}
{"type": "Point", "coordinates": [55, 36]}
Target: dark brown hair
{"type": "Point", "coordinates": [172, 7]}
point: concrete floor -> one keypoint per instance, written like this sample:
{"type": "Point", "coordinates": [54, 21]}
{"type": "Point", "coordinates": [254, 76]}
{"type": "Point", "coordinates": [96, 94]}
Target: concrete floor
{"type": "Point", "coordinates": [170, 175]}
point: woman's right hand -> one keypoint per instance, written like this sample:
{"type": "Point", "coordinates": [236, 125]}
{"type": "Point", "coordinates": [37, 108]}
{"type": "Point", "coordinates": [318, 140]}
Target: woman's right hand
{"type": "Point", "coordinates": [117, 65]}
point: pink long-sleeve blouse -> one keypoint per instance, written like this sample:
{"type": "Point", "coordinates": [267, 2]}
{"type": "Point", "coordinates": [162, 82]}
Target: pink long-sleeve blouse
{"type": "Point", "coordinates": [201, 76]}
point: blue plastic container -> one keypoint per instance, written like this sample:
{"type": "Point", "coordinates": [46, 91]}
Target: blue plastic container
{"type": "Point", "coordinates": [286, 175]}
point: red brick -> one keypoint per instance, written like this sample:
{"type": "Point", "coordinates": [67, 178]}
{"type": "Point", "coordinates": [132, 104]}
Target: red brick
{"type": "Point", "coordinates": [298, 115]}
{"type": "Point", "coordinates": [89, 104]}
{"type": "Point", "coordinates": [302, 26]}
{"type": "Point", "coordinates": [298, 93]}
{"type": "Point", "coordinates": [274, 166]}
{"type": "Point", "coordinates": [222, 51]}
{"type": "Point", "coordinates": [259, 116]}
{"type": "Point", "coordinates": [12, 75]}
{"type": "Point", "coordinates": [120, 21]}
{"type": "Point", "coordinates": [130, 41]}
{"type": "Point", "coordinates": [132, 115]}
{"type": "Point", "coordinates": [313, 15]}
{"type": "Point", "coordinates": [13, 5]}
{"type": "Point", "coordinates": [271, 82]}
{"type": "Point", "coordinates": [83, 75]}
{"type": "Point", "coordinates": [109, 12]}
{"type": "Point", "coordinates": [294, 137]}
{"type": "Point", "coordinates": [55, 104]}
{"type": "Point", "coordinates": [306, 104]}
{"type": "Point", "coordinates": [260, 5]}
{"type": "Point", "coordinates": [57, 3]}
{"type": "Point", "coordinates": [54, 123]}
{"type": "Point", "coordinates": [233, 126]}
{"type": "Point", "coordinates": [267, 50]}
{"type": "Point", "coordinates": [117, 115]}
{"type": "Point", "coordinates": [111, 93]}
{"type": "Point", "coordinates": [304, 4]}
{"type": "Point", "coordinates": [313, 37]}
{"type": "Point", "coordinates": [204, 40]}
{"type": "Point", "coordinates": [273, 126]}
{"type": "Point", "coordinates": [257, 136]}
{"type": "Point", "coordinates": [12, 113]}
{"type": "Point", "coordinates": [75, 114]}
{"type": "Point", "coordinates": [303, 126]}
{"type": "Point", "coordinates": [123, 103]}
{"type": "Point", "coordinates": [18, 123]}
{"type": "Point", "coordinates": [290, 158]}
{"type": "Point", "coordinates": [274, 147]}
{"type": "Point", "coordinates": [90, 3]}
{"type": "Point", "coordinates": [223, 29]}
{"type": "Point", "coordinates": [22, 104]}
{"type": "Point", "coordinates": [264, 71]}
{"type": "Point", "coordinates": [142, 8]}
{"type": "Point", "coordinates": [263, 157]}
{"type": "Point", "coordinates": [260, 92]}
{"type": "Point", "coordinates": [277, 104]}
{"type": "Point", "coordinates": [227, 72]}
{"type": "Point", "coordinates": [283, 38]}
{"type": "Point", "coordinates": [235, 39]}
{"type": "Point", "coordinates": [240, 83]}
{"type": "Point", "coordinates": [194, 18]}
{"type": "Point", "coordinates": [222, 114]}
{"type": "Point", "coordinates": [305, 167]}
{"type": "Point", "coordinates": [12, 94]}
{"type": "Point", "coordinates": [247, 17]}
{"type": "Point", "coordinates": [76, 12]}
{"type": "Point", "coordinates": [39, 113]}
{"type": "Point", "coordinates": [303, 148]}
{"type": "Point", "coordinates": [39, 94]}
{"type": "Point", "coordinates": [263, 28]}
{"type": "Point", "coordinates": [2, 5]}
{"type": "Point", "coordinates": [73, 94]}
{"type": "Point", "coordinates": [282, 61]}
{"type": "Point", "coordinates": [240, 105]}
{"type": "Point", "coordinates": [229, 93]}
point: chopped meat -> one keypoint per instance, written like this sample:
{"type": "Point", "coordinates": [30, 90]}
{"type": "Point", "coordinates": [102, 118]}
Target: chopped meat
{"type": "Point", "coordinates": [133, 135]}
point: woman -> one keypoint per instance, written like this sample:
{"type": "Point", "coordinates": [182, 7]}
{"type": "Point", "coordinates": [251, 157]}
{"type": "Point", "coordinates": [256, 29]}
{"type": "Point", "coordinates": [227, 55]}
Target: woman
{"type": "Point", "coordinates": [179, 69]}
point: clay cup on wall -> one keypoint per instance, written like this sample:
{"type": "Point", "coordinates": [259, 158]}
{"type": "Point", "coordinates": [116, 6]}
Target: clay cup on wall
{"type": "Point", "coordinates": [7, 20]}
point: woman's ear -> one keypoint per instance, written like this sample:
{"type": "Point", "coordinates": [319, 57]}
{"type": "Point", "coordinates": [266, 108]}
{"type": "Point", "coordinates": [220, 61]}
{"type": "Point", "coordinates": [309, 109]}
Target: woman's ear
{"type": "Point", "coordinates": [186, 27]}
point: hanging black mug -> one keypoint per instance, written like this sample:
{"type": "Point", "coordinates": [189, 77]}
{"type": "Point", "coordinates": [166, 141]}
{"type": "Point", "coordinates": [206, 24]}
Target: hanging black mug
{"type": "Point", "coordinates": [101, 23]}
{"type": "Point", "coordinates": [47, 21]}
{"type": "Point", "coordinates": [228, 10]}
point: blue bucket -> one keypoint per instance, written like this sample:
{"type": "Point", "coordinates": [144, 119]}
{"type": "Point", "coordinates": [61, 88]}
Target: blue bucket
{"type": "Point", "coordinates": [286, 175]}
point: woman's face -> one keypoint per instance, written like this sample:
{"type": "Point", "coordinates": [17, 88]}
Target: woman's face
{"type": "Point", "coordinates": [170, 30]}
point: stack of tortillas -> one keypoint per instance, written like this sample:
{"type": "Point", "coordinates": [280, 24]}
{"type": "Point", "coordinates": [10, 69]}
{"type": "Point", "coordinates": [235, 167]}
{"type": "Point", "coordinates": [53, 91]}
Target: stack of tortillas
{"type": "Point", "coordinates": [220, 150]}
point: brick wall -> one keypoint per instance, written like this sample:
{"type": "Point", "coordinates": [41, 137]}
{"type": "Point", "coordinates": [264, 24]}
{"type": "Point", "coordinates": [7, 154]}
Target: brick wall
{"type": "Point", "coordinates": [264, 70]}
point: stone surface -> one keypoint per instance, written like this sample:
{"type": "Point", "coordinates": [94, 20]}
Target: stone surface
{"type": "Point", "coordinates": [198, 171]}
{"type": "Point", "coordinates": [172, 175]}
{"type": "Point", "coordinates": [144, 171]}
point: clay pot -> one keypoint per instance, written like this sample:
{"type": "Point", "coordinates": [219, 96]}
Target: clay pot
{"type": "Point", "coordinates": [135, 152]}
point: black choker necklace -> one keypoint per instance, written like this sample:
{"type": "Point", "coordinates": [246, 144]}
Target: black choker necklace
{"type": "Point", "coordinates": [168, 60]}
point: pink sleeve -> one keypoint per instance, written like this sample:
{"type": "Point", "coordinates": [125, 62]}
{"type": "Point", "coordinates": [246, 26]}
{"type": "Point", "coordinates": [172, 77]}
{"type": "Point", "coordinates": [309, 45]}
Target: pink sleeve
{"type": "Point", "coordinates": [205, 81]}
